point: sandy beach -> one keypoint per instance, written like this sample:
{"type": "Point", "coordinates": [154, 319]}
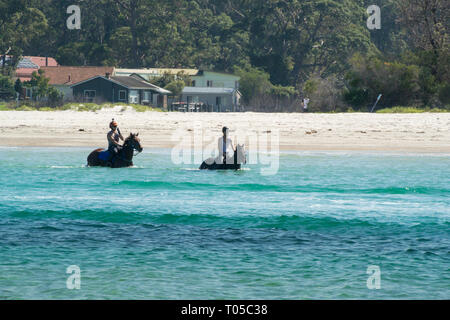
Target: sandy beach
{"type": "Point", "coordinates": [421, 132]}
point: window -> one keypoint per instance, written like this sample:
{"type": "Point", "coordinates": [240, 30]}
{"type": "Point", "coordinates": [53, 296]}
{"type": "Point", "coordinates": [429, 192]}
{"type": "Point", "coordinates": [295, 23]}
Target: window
{"type": "Point", "coordinates": [236, 84]}
{"type": "Point", "coordinates": [218, 101]}
{"type": "Point", "coordinates": [89, 95]}
{"type": "Point", "coordinates": [29, 93]}
{"type": "Point", "coordinates": [122, 95]}
{"type": "Point", "coordinates": [193, 83]}
{"type": "Point", "coordinates": [133, 96]}
{"type": "Point", "coordinates": [147, 96]}
{"type": "Point", "coordinates": [209, 83]}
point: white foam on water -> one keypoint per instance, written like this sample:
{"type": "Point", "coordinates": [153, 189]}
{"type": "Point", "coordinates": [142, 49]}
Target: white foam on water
{"type": "Point", "coordinates": [67, 167]}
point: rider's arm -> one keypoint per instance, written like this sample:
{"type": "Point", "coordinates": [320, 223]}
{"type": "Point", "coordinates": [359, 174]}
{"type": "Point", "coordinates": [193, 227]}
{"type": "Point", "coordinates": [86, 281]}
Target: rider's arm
{"type": "Point", "coordinates": [111, 138]}
{"type": "Point", "coordinates": [120, 134]}
{"type": "Point", "coordinates": [232, 145]}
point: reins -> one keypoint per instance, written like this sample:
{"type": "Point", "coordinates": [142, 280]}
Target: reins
{"type": "Point", "coordinates": [134, 152]}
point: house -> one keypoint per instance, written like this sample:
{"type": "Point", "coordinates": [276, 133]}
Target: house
{"type": "Point", "coordinates": [218, 91]}
{"type": "Point", "coordinates": [216, 98]}
{"type": "Point", "coordinates": [200, 78]}
{"type": "Point", "coordinates": [215, 79]}
{"type": "Point", "coordinates": [29, 64]}
{"type": "Point", "coordinates": [26, 66]}
{"type": "Point", "coordinates": [127, 89]}
{"type": "Point", "coordinates": [63, 77]}
{"type": "Point", "coordinates": [152, 73]}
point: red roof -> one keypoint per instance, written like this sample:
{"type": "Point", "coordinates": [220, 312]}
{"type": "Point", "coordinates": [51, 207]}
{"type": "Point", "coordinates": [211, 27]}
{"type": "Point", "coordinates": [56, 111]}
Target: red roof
{"type": "Point", "coordinates": [41, 61]}
{"type": "Point", "coordinates": [70, 75]}
{"type": "Point", "coordinates": [24, 74]}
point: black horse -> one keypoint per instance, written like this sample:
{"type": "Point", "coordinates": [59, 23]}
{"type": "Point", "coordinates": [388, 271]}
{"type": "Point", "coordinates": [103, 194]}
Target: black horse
{"type": "Point", "coordinates": [99, 157]}
{"type": "Point", "coordinates": [238, 158]}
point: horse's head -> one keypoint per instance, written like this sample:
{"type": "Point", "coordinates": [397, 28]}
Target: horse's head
{"type": "Point", "coordinates": [134, 142]}
{"type": "Point", "coordinates": [241, 157]}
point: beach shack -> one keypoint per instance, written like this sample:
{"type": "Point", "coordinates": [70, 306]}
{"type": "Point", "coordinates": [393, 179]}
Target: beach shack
{"type": "Point", "coordinates": [127, 89]}
{"type": "Point", "coordinates": [212, 79]}
{"type": "Point", "coordinates": [215, 99]}
{"type": "Point", "coordinates": [152, 73]}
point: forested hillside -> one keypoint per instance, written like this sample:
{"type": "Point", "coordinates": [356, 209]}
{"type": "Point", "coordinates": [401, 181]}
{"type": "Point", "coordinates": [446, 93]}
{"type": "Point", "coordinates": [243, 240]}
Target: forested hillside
{"type": "Point", "coordinates": [283, 49]}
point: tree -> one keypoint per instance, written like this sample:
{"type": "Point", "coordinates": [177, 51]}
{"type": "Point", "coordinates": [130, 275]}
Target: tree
{"type": "Point", "coordinates": [325, 94]}
{"type": "Point", "coordinates": [18, 87]}
{"type": "Point", "coordinates": [427, 23]}
{"type": "Point", "coordinates": [6, 88]}
{"type": "Point", "coordinates": [280, 43]}
{"type": "Point", "coordinates": [42, 90]}
{"type": "Point", "coordinates": [370, 76]}
{"type": "Point", "coordinates": [292, 39]}
{"type": "Point", "coordinates": [253, 82]}
{"type": "Point", "coordinates": [19, 24]}
{"type": "Point", "coordinates": [176, 87]}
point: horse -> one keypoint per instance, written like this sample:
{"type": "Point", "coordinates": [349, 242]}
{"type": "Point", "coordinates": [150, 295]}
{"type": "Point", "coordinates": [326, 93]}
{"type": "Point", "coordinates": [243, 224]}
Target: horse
{"type": "Point", "coordinates": [99, 157]}
{"type": "Point", "coordinates": [238, 159]}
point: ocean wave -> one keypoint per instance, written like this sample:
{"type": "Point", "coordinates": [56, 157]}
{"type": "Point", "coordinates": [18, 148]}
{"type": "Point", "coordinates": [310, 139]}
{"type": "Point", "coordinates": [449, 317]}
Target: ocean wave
{"type": "Point", "coordinates": [287, 222]}
{"type": "Point", "coordinates": [157, 184]}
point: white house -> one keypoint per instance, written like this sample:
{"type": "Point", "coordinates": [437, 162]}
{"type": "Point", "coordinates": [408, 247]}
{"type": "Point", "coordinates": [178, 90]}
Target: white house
{"type": "Point", "coordinates": [217, 99]}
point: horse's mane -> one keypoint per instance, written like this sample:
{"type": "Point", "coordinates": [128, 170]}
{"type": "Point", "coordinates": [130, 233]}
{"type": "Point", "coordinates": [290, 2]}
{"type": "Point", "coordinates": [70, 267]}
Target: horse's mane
{"type": "Point", "coordinates": [128, 139]}
{"type": "Point", "coordinates": [131, 136]}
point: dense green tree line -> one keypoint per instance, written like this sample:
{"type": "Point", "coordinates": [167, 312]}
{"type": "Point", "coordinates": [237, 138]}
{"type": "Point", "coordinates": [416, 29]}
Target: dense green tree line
{"type": "Point", "coordinates": [281, 48]}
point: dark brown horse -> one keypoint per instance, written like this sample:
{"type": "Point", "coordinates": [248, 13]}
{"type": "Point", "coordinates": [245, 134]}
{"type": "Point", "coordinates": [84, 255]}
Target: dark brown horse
{"type": "Point", "coordinates": [123, 159]}
{"type": "Point", "coordinates": [235, 164]}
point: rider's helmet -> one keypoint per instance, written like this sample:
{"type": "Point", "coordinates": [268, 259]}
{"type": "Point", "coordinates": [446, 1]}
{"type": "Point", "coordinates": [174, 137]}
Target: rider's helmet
{"type": "Point", "coordinates": [113, 124]}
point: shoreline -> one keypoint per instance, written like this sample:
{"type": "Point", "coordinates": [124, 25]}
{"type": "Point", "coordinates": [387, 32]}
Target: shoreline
{"type": "Point", "coordinates": [402, 133]}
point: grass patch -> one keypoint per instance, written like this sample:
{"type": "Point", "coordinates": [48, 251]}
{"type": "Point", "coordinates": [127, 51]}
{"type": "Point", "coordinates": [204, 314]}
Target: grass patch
{"type": "Point", "coordinates": [83, 107]}
{"type": "Point", "coordinates": [4, 107]}
{"type": "Point", "coordinates": [46, 109]}
{"type": "Point", "coordinates": [25, 108]}
{"type": "Point", "coordinates": [96, 107]}
{"type": "Point", "coordinates": [400, 109]}
{"type": "Point", "coordinates": [143, 108]}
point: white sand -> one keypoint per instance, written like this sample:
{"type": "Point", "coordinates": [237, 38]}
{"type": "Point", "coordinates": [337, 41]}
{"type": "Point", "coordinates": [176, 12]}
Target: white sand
{"type": "Point", "coordinates": [421, 132]}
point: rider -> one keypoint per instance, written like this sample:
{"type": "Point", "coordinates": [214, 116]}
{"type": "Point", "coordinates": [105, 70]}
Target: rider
{"type": "Point", "coordinates": [113, 137]}
{"type": "Point", "coordinates": [226, 150]}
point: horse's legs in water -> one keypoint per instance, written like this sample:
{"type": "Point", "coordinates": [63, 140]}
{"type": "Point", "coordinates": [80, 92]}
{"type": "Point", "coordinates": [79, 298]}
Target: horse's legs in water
{"type": "Point", "coordinates": [92, 159]}
{"type": "Point", "coordinates": [114, 152]}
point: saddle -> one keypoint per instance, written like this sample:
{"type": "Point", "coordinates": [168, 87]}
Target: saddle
{"type": "Point", "coordinates": [104, 155]}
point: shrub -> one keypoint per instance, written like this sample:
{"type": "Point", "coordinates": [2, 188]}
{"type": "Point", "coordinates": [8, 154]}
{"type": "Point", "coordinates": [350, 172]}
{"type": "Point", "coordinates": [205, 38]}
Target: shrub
{"type": "Point", "coordinates": [176, 87]}
{"type": "Point", "coordinates": [6, 88]}
{"type": "Point", "coordinates": [401, 109]}
{"type": "Point", "coordinates": [253, 82]}
{"type": "Point", "coordinates": [25, 108]}
{"type": "Point", "coordinates": [399, 83]}
{"type": "Point", "coordinates": [5, 107]}
{"type": "Point", "coordinates": [324, 94]}
{"type": "Point", "coordinates": [444, 93]}
{"type": "Point", "coordinates": [259, 94]}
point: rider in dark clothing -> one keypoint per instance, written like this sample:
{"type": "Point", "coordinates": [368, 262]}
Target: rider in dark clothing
{"type": "Point", "coordinates": [114, 136]}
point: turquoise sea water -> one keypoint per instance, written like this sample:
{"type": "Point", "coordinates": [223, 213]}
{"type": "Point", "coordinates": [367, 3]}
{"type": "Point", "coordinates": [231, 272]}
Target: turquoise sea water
{"type": "Point", "coordinates": [165, 231]}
